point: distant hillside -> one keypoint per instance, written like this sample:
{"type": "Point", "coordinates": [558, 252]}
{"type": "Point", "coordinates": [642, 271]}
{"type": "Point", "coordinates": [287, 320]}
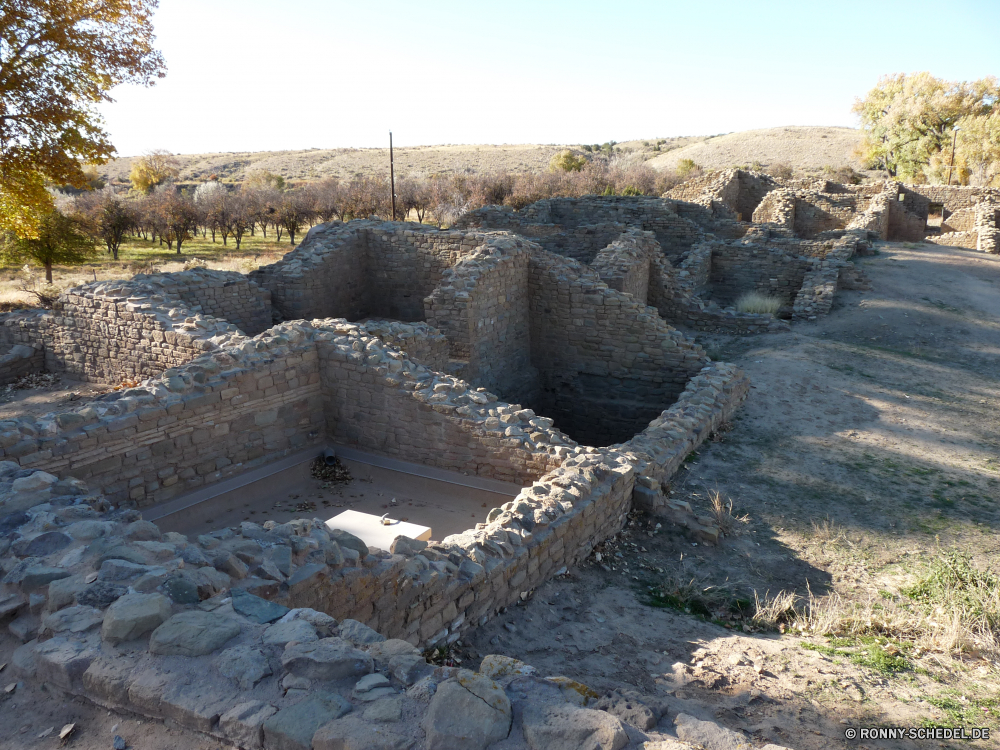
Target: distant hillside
{"type": "Point", "coordinates": [802, 148]}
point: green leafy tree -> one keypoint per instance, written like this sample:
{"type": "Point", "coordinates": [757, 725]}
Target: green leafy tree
{"type": "Point", "coordinates": [58, 61]}
{"type": "Point", "coordinates": [567, 161]}
{"type": "Point", "coordinates": [59, 239]}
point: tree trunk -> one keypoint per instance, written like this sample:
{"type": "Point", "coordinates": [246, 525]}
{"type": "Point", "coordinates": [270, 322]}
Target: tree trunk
{"type": "Point", "coordinates": [48, 272]}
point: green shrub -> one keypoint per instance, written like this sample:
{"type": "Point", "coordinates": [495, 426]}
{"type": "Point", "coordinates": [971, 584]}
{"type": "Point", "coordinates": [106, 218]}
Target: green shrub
{"type": "Point", "coordinates": [757, 302]}
{"type": "Point", "coordinates": [687, 168]}
{"type": "Point", "coordinates": [566, 161]}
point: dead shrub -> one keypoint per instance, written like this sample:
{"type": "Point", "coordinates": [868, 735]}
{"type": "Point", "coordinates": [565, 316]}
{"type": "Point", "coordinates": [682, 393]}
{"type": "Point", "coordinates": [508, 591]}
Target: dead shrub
{"type": "Point", "coordinates": [758, 303]}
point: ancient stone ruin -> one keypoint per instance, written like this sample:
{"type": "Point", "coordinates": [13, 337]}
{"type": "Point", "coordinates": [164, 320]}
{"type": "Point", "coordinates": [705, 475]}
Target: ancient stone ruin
{"type": "Point", "coordinates": [533, 348]}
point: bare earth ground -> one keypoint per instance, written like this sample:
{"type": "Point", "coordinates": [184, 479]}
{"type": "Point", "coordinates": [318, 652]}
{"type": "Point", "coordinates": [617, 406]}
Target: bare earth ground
{"type": "Point", "coordinates": [802, 148]}
{"type": "Point", "coordinates": [869, 445]}
{"type": "Point", "coordinates": [868, 448]}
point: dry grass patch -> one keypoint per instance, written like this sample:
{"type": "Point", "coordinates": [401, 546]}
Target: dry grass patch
{"type": "Point", "coordinates": [758, 303]}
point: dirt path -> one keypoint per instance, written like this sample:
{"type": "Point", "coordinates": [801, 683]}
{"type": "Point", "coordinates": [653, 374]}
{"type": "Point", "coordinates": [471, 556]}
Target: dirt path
{"type": "Point", "coordinates": [868, 449]}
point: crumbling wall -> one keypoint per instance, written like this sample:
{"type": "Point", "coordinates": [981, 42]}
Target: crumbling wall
{"type": "Point", "coordinates": [624, 264]}
{"type": "Point", "coordinates": [988, 226]}
{"type": "Point", "coordinates": [482, 307]}
{"type": "Point", "coordinates": [777, 207]}
{"type": "Point", "coordinates": [607, 364]}
{"type": "Point", "coordinates": [738, 268]}
{"type": "Point", "coordinates": [107, 331]}
{"type": "Point", "coordinates": [219, 294]}
{"type": "Point", "coordinates": [904, 225]}
{"type": "Point", "coordinates": [422, 343]}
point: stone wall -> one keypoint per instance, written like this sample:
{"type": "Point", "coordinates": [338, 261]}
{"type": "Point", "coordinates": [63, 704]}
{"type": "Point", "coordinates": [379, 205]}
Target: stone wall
{"type": "Point", "coordinates": [738, 268]}
{"type": "Point", "coordinates": [624, 264]}
{"type": "Point", "coordinates": [482, 307]}
{"type": "Point", "coordinates": [607, 363]}
{"type": "Point", "coordinates": [736, 192]}
{"type": "Point", "coordinates": [422, 343]}
{"type": "Point", "coordinates": [218, 294]}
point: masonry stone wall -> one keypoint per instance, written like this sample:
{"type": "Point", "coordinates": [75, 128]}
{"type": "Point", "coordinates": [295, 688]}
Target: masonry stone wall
{"type": "Point", "coordinates": [624, 264]}
{"type": "Point", "coordinates": [606, 362]}
{"type": "Point", "coordinates": [740, 268]}
{"type": "Point", "coordinates": [219, 294]}
{"type": "Point", "coordinates": [422, 343]}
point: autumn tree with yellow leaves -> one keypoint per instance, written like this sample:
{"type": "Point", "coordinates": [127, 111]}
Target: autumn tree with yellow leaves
{"type": "Point", "coordinates": [58, 61]}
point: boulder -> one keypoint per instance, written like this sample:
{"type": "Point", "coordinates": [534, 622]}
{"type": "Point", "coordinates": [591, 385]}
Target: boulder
{"type": "Point", "coordinates": [389, 709]}
{"type": "Point", "coordinates": [192, 633]}
{"type": "Point", "coordinates": [293, 728]}
{"type": "Point", "coordinates": [246, 665]}
{"type": "Point", "coordinates": [403, 545]}
{"type": "Point", "coordinates": [372, 687]}
{"type": "Point", "coordinates": [76, 619]}
{"type": "Point", "coordinates": [294, 630]}
{"type": "Point", "coordinates": [43, 545]}
{"type": "Point", "coordinates": [468, 712]}
{"type": "Point", "coordinates": [324, 624]}
{"type": "Point", "coordinates": [142, 531]}
{"type": "Point", "coordinates": [36, 576]}
{"type": "Point", "coordinates": [122, 570]}
{"type": "Point", "coordinates": [259, 610]}
{"type": "Point", "coordinates": [62, 662]}
{"type": "Point", "coordinates": [326, 659]}
{"type": "Point", "coordinates": [181, 589]}
{"type": "Point", "coordinates": [498, 667]}
{"type": "Point", "coordinates": [628, 709]}
{"type": "Point", "coordinates": [358, 633]}
{"type": "Point", "coordinates": [554, 726]}
{"type": "Point", "coordinates": [243, 724]}
{"type": "Point", "coordinates": [134, 615]}
{"type": "Point", "coordinates": [352, 733]}
{"type": "Point", "coordinates": [100, 594]}
{"type": "Point", "coordinates": [63, 592]}
{"type": "Point", "coordinates": [709, 735]}
{"type": "Point", "coordinates": [348, 540]}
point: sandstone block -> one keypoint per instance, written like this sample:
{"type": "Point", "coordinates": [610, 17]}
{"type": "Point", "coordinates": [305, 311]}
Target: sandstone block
{"type": "Point", "coordinates": [244, 724]}
{"type": "Point", "coordinates": [192, 633]}
{"type": "Point", "coordinates": [293, 728]}
{"type": "Point", "coordinates": [134, 615]}
{"type": "Point", "coordinates": [326, 659]}
{"type": "Point", "coordinates": [468, 712]}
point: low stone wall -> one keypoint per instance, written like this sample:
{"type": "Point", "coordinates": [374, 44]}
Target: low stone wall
{"type": "Point", "coordinates": [815, 297]}
{"type": "Point", "coordinates": [422, 343]}
{"type": "Point", "coordinates": [968, 240]}
{"type": "Point", "coordinates": [218, 294]}
{"type": "Point", "coordinates": [20, 360]}
{"type": "Point", "coordinates": [746, 267]}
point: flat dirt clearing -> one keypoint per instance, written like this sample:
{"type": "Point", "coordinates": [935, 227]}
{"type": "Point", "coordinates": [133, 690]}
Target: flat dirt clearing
{"type": "Point", "coordinates": [869, 448]}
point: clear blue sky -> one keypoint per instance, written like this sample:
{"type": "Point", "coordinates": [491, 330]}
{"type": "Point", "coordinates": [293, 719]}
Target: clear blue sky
{"type": "Point", "coordinates": [253, 75]}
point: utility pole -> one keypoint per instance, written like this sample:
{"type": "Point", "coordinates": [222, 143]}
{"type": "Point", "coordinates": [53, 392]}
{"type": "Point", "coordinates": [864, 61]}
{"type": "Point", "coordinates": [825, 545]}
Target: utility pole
{"type": "Point", "coordinates": [392, 178]}
{"type": "Point", "coordinates": [954, 140]}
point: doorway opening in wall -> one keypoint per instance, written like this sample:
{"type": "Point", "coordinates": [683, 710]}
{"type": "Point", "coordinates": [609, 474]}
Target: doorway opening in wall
{"type": "Point", "coordinates": [935, 218]}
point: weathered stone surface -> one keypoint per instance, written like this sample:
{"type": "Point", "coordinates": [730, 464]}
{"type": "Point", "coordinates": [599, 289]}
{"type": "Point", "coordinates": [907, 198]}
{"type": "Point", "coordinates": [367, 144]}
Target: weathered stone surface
{"type": "Point", "coordinates": [142, 531]}
{"type": "Point", "coordinates": [257, 609]}
{"type": "Point", "coordinates": [575, 692]}
{"type": "Point", "coordinates": [211, 581]}
{"type": "Point", "coordinates": [709, 734]}
{"type": "Point", "coordinates": [358, 633]}
{"type": "Point", "coordinates": [11, 604]}
{"type": "Point", "coordinates": [134, 615]}
{"type": "Point", "coordinates": [244, 664]}
{"type": "Point", "coordinates": [348, 540]}
{"type": "Point", "coordinates": [76, 619]}
{"type": "Point", "coordinates": [25, 626]}
{"type": "Point", "coordinates": [122, 570]}
{"type": "Point", "coordinates": [181, 590]}
{"type": "Point", "coordinates": [43, 545]}
{"type": "Point", "coordinates": [126, 553]}
{"type": "Point", "coordinates": [308, 575]}
{"type": "Point", "coordinates": [230, 564]}
{"type": "Point", "coordinates": [243, 724]}
{"type": "Point", "coordinates": [62, 592]}
{"type": "Point", "coordinates": [568, 727]}
{"type": "Point", "coordinates": [468, 712]}
{"type": "Point", "coordinates": [107, 679]}
{"type": "Point", "coordinates": [62, 661]}
{"type": "Point", "coordinates": [326, 659]}
{"type": "Point", "coordinates": [629, 710]}
{"type": "Point", "coordinates": [383, 651]}
{"type": "Point", "coordinates": [293, 728]}
{"type": "Point", "coordinates": [100, 594]}
{"type": "Point", "coordinates": [324, 624]}
{"type": "Point", "coordinates": [295, 630]}
{"type": "Point", "coordinates": [192, 633]}
{"type": "Point", "coordinates": [36, 576]}
{"type": "Point", "coordinates": [403, 545]}
{"type": "Point", "coordinates": [409, 668]}
{"type": "Point", "coordinates": [353, 733]}
{"type": "Point", "coordinates": [281, 556]}
{"type": "Point", "coordinates": [389, 709]}
{"type": "Point", "coordinates": [497, 667]}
